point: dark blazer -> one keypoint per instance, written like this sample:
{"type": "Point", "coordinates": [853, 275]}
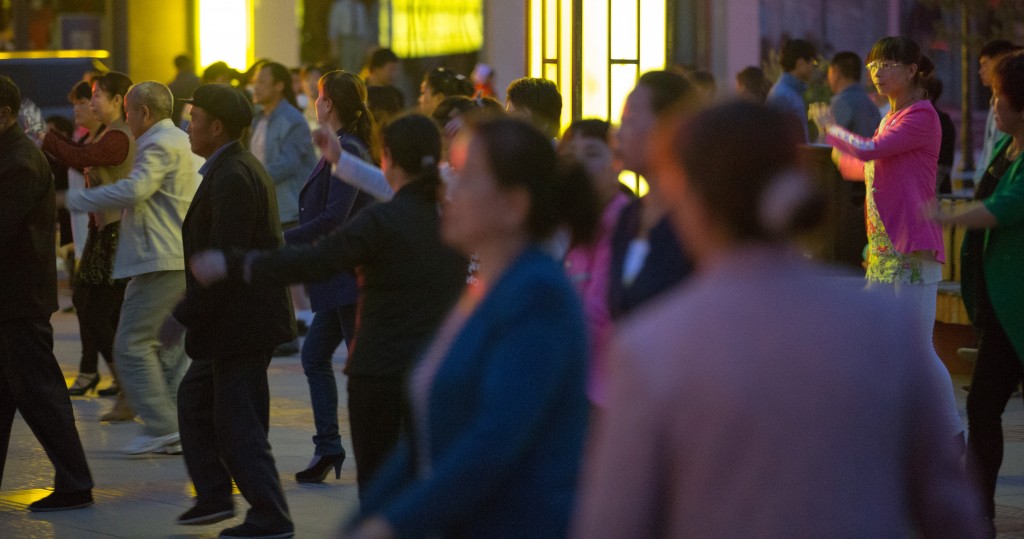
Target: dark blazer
{"type": "Point", "coordinates": [506, 418]}
{"type": "Point", "coordinates": [410, 280]}
{"type": "Point", "coordinates": [233, 208]}
{"type": "Point", "coordinates": [28, 270]}
{"type": "Point", "coordinates": [665, 266]}
{"type": "Point", "coordinates": [324, 205]}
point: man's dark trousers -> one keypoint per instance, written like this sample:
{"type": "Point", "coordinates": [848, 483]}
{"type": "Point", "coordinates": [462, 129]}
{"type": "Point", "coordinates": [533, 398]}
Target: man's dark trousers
{"type": "Point", "coordinates": [31, 382]}
{"type": "Point", "coordinates": [224, 415]}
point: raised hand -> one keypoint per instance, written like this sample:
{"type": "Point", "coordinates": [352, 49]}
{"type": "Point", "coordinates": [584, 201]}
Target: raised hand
{"type": "Point", "coordinates": [209, 267]}
{"type": "Point", "coordinates": [328, 142]}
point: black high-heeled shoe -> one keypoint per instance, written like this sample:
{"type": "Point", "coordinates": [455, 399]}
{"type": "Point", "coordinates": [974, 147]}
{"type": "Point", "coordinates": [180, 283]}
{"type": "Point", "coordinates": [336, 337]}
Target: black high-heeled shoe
{"type": "Point", "coordinates": [84, 383]}
{"type": "Point", "coordinates": [110, 391]}
{"type": "Point", "coordinates": [317, 471]}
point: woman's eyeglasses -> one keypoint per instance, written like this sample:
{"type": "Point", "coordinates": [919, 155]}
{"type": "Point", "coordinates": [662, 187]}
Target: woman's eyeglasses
{"type": "Point", "coordinates": [881, 66]}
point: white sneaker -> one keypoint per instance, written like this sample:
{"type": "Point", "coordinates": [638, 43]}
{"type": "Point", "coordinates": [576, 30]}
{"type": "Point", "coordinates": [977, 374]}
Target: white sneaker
{"type": "Point", "coordinates": [144, 443]}
{"type": "Point", "coordinates": [170, 449]}
{"type": "Point", "coordinates": [968, 354]}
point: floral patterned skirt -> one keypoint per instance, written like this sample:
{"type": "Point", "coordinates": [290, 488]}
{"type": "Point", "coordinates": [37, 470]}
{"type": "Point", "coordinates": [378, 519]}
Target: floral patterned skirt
{"type": "Point", "coordinates": [97, 264]}
{"type": "Point", "coordinates": [885, 263]}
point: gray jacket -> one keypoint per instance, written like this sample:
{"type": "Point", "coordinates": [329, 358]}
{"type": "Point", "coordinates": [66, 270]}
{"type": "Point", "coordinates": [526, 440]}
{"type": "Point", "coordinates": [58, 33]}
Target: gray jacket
{"type": "Point", "coordinates": [153, 199]}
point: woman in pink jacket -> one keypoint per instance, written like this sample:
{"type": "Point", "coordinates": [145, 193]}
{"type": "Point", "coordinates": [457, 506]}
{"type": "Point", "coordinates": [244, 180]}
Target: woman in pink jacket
{"type": "Point", "coordinates": [587, 265]}
{"type": "Point", "coordinates": [899, 165]}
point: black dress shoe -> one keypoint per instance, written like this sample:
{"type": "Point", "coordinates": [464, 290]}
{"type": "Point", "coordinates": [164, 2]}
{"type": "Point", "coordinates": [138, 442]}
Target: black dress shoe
{"type": "Point", "coordinates": [110, 391]}
{"type": "Point", "coordinates": [206, 515]}
{"type": "Point", "coordinates": [317, 471]}
{"type": "Point", "coordinates": [63, 501]}
{"type": "Point", "coordinates": [247, 530]}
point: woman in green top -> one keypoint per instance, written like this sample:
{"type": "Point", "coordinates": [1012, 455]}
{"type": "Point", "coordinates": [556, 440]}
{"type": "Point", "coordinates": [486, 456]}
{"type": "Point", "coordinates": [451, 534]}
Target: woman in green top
{"type": "Point", "coordinates": [993, 291]}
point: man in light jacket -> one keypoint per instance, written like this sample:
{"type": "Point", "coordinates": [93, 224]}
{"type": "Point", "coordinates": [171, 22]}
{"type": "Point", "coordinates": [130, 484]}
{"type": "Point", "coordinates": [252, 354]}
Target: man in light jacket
{"type": "Point", "coordinates": [154, 198]}
{"type": "Point", "coordinates": [280, 141]}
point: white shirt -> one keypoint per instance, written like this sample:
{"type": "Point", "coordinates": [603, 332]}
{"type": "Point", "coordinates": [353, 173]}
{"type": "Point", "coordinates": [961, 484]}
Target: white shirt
{"type": "Point", "coordinates": [258, 145]}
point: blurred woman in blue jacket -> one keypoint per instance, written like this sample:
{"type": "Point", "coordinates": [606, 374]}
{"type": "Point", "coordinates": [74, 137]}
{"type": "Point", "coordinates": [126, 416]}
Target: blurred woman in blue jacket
{"type": "Point", "coordinates": [498, 403]}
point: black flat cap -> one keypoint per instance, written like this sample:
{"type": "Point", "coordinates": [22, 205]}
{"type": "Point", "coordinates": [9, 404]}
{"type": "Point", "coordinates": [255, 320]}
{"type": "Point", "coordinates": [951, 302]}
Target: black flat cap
{"type": "Point", "coordinates": [224, 101]}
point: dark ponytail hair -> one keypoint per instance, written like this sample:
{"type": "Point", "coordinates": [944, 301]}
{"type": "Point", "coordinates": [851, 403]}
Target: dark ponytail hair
{"type": "Point", "coordinates": [114, 83]}
{"type": "Point", "coordinates": [347, 93]}
{"type": "Point", "coordinates": [905, 51]}
{"type": "Point", "coordinates": [561, 193]}
{"type": "Point", "coordinates": [81, 90]}
{"type": "Point", "coordinates": [414, 142]}
{"type": "Point", "coordinates": [1008, 79]}
{"type": "Point", "coordinates": [741, 159]}
{"type": "Point", "coordinates": [280, 73]}
{"type": "Point", "coordinates": [447, 82]}
{"type": "Point", "coordinates": [588, 128]}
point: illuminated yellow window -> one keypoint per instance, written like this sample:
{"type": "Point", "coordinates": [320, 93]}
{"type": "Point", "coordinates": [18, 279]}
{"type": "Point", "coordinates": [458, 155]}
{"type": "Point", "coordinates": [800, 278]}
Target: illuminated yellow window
{"type": "Point", "coordinates": [225, 32]}
{"type": "Point", "coordinates": [595, 55]}
{"type": "Point", "coordinates": [419, 28]}
{"type": "Point", "coordinates": [551, 47]}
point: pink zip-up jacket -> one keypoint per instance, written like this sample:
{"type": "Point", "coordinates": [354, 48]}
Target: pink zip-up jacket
{"type": "Point", "coordinates": [588, 267]}
{"type": "Point", "coordinates": [905, 154]}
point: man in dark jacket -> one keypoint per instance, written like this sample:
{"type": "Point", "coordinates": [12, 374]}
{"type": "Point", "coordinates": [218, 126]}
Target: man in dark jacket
{"type": "Point", "coordinates": [224, 401]}
{"type": "Point", "coordinates": [30, 379]}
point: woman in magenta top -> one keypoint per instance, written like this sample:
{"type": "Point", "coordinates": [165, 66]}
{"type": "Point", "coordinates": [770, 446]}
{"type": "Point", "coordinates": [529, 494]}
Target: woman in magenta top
{"type": "Point", "coordinates": [899, 165]}
{"type": "Point", "coordinates": [587, 265]}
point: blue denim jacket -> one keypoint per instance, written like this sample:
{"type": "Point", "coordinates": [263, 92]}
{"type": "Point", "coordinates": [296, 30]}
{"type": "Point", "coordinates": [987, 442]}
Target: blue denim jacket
{"type": "Point", "coordinates": [788, 96]}
{"type": "Point", "coordinates": [289, 156]}
{"type": "Point", "coordinates": [854, 110]}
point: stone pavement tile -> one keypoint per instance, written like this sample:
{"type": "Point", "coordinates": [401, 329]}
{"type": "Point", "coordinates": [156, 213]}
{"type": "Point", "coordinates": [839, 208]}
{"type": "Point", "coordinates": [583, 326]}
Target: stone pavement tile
{"type": "Point", "coordinates": [1010, 483]}
{"type": "Point", "coordinates": [140, 496]}
{"type": "Point", "coordinates": [28, 529]}
{"type": "Point", "coordinates": [1010, 518]}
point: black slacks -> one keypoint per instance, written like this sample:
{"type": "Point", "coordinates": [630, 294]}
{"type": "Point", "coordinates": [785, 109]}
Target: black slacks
{"type": "Point", "coordinates": [31, 382]}
{"type": "Point", "coordinates": [996, 375]}
{"type": "Point", "coordinates": [377, 413]}
{"type": "Point", "coordinates": [224, 416]}
{"type": "Point", "coordinates": [98, 308]}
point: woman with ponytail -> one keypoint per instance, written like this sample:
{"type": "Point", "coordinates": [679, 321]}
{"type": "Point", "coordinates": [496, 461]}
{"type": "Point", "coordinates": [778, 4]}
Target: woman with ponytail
{"type": "Point", "coordinates": [98, 290]}
{"type": "Point", "coordinates": [409, 281]}
{"type": "Point", "coordinates": [743, 397]}
{"type": "Point", "coordinates": [899, 166]}
{"type": "Point", "coordinates": [324, 205]}
{"type": "Point", "coordinates": [589, 265]}
{"type": "Point", "coordinates": [498, 399]}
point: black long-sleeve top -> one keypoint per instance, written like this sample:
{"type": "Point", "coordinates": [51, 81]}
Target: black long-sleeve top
{"type": "Point", "coordinates": [409, 279]}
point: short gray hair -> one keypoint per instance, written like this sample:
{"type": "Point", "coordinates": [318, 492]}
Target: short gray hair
{"type": "Point", "coordinates": [155, 95]}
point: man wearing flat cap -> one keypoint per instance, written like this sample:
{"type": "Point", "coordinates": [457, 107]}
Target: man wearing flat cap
{"type": "Point", "coordinates": [224, 400]}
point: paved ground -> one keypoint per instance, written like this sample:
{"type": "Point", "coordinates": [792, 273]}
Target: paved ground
{"type": "Point", "coordinates": [140, 497]}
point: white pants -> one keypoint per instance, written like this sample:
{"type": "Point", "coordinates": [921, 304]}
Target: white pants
{"type": "Point", "coordinates": [923, 298]}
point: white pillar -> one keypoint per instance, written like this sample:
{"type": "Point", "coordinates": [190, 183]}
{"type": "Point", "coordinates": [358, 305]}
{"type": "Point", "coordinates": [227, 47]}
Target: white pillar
{"type": "Point", "coordinates": [735, 39]}
{"type": "Point", "coordinates": [894, 17]}
{"type": "Point", "coordinates": [276, 31]}
{"type": "Point", "coordinates": [505, 41]}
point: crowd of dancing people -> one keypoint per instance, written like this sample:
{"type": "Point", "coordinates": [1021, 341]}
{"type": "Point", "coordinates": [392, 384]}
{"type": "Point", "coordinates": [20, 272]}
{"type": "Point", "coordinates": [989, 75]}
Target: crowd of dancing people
{"type": "Point", "coordinates": [532, 350]}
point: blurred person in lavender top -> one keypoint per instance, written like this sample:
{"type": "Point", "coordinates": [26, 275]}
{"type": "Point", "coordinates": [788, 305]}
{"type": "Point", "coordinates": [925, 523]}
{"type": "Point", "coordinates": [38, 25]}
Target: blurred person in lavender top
{"type": "Point", "coordinates": [724, 421]}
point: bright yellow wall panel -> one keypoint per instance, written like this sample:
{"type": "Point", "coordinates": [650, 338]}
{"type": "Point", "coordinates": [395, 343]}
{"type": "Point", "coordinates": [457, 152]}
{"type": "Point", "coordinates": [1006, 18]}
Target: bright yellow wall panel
{"type": "Point", "coordinates": [157, 32]}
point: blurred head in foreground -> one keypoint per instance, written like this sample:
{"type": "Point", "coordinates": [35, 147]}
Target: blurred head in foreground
{"type": "Point", "coordinates": [729, 174]}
